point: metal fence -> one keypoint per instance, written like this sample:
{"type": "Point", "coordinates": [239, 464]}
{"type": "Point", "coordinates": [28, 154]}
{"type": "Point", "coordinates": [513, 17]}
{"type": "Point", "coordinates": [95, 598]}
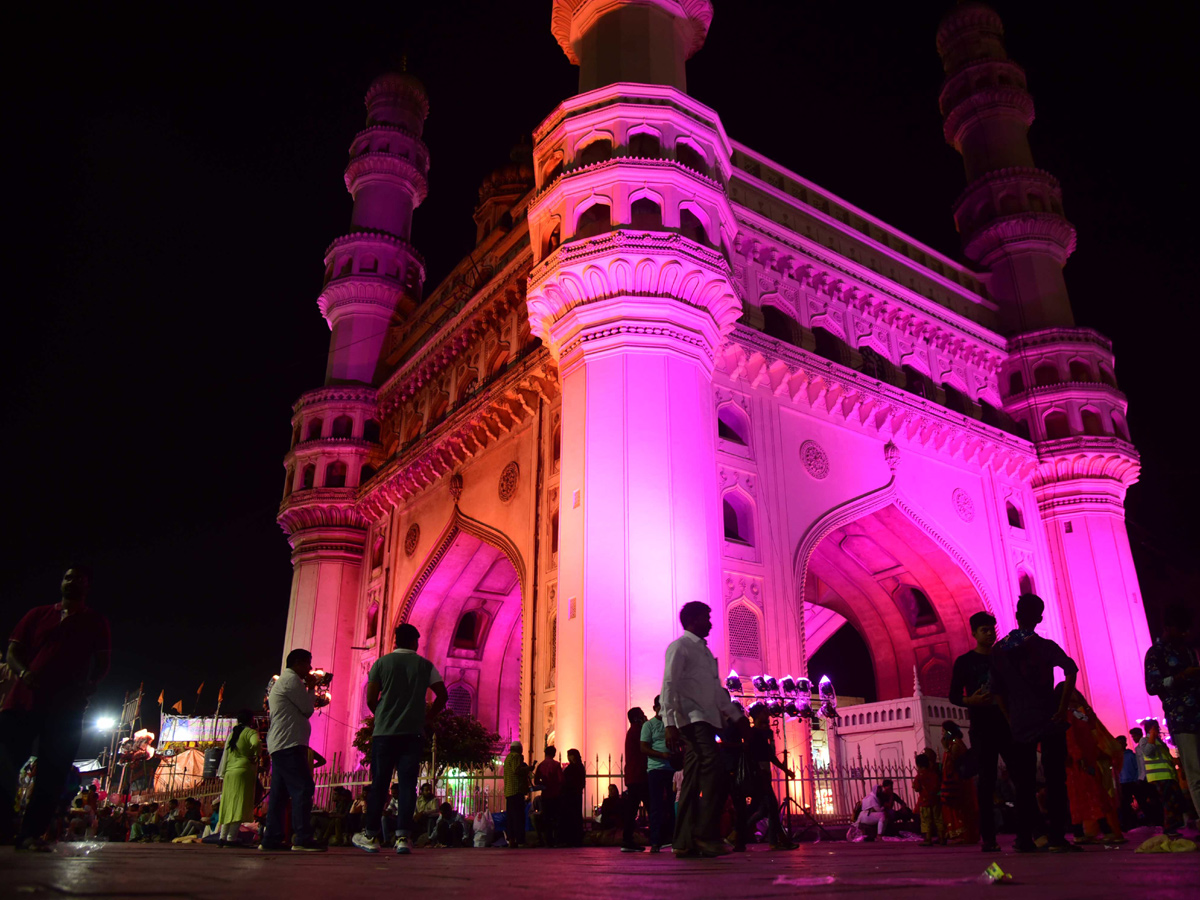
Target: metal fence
{"type": "Point", "coordinates": [827, 793]}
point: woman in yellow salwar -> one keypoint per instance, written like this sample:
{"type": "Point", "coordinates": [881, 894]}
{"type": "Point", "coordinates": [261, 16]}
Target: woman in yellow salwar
{"type": "Point", "coordinates": [239, 768]}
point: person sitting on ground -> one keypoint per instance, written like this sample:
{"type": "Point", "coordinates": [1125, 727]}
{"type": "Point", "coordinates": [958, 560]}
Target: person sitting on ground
{"type": "Point", "coordinates": [611, 815]}
{"type": "Point", "coordinates": [390, 812]}
{"type": "Point", "coordinates": [426, 812]}
{"type": "Point", "coordinates": [1161, 774]}
{"type": "Point", "coordinates": [450, 827]}
{"type": "Point", "coordinates": [873, 819]}
{"type": "Point", "coordinates": [927, 786]}
{"type": "Point", "coordinates": [171, 821]}
{"type": "Point", "coordinates": [191, 822]}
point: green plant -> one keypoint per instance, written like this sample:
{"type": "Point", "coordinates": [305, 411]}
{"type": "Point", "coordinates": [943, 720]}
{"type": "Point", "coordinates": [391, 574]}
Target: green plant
{"type": "Point", "coordinates": [459, 742]}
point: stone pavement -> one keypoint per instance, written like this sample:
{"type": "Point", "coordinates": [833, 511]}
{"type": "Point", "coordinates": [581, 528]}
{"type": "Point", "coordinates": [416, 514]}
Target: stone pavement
{"type": "Point", "coordinates": [148, 871]}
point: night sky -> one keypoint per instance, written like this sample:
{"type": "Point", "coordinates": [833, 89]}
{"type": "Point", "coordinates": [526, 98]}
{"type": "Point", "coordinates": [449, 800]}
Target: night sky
{"type": "Point", "coordinates": [177, 176]}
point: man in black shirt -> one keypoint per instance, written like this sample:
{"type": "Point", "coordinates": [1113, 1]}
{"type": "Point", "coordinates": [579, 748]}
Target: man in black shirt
{"type": "Point", "coordinates": [970, 686]}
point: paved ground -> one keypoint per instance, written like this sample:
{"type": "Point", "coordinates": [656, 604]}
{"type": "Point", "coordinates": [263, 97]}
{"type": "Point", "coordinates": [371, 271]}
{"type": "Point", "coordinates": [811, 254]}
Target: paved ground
{"type": "Point", "coordinates": [902, 870]}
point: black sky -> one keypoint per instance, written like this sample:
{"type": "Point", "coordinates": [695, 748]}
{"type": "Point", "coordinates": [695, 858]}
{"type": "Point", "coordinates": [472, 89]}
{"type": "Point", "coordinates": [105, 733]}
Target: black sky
{"type": "Point", "coordinates": [175, 176]}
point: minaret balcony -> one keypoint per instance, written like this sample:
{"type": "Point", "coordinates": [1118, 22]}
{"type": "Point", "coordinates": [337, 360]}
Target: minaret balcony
{"type": "Point", "coordinates": [390, 169]}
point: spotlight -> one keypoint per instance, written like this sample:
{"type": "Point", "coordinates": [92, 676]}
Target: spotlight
{"type": "Point", "coordinates": [828, 710]}
{"type": "Point", "coordinates": [826, 688]}
{"type": "Point", "coordinates": [733, 682]}
{"type": "Point", "coordinates": [760, 683]}
{"type": "Point", "coordinates": [792, 709]}
{"type": "Point", "coordinates": [756, 707]}
{"type": "Point", "coordinates": [788, 685]}
{"type": "Point", "coordinates": [776, 708]}
{"type": "Point", "coordinates": [804, 687]}
{"type": "Point", "coordinates": [772, 684]}
{"type": "Point", "coordinates": [105, 723]}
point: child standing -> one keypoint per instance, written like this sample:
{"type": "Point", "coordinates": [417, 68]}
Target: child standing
{"type": "Point", "coordinates": [927, 786]}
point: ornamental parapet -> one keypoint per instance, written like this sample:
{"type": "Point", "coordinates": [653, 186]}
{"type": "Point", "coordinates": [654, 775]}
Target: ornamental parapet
{"type": "Point", "coordinates": [347, 394]}
{"type": "Point", "coordinates": [1054, 338]}
{"type": "Point", "coordinates": [1027, 230]}
{"type": "Point", "coordinates": [570, 19]}
{"type": "Point", "coordinates": [988, 72]}
{"type": "Point", "coordinates": [635, 265]}
{"type": "Point", "coordinates": [1087, 457]}
{"type": "Point", "coordinates": [392, 168]}
{"type": "Point", "coordinates": [377, 294]}
{"type": "Point", "coordinates": [368, 139]}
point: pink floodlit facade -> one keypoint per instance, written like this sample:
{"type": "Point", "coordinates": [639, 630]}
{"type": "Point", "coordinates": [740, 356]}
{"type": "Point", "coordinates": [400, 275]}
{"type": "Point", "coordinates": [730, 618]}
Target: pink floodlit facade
{"type": "Point", "coordinates": [674, 370]}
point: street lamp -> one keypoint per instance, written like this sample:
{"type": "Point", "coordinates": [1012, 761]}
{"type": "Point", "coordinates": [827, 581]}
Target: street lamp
{"type": "Point", "coordinates": [105, 723]}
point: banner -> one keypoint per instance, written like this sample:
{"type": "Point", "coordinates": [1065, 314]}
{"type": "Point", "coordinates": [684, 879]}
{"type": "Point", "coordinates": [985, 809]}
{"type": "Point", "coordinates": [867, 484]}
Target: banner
{"type": "Point", "coordinates": [132, 709]}
{"type": "Point", "coordinates": [194, 729]}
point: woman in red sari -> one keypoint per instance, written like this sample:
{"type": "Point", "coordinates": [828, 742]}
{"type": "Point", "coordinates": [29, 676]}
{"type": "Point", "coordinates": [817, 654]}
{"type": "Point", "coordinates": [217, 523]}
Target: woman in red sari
{"type": "Point", "coordinates": [1091, 754]}
{"type": "Point", "coordinates": [960, 808]}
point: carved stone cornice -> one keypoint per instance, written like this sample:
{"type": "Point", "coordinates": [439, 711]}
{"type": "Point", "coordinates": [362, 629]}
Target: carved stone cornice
{"type": "Point", "coordinates": [385, 294]}
{"type": "Point", "coordinates": [493, 412]}
{"type": "Point", "coordinates": [1048, 338]}
{"type": "Point", "coordinates": [317, 508]}
{"type": "Point", "coordinates": [571, 18]}
{"type": "Point", "coordinates": [355, 238]}
{"type": "Point", "coordinates": [986, 102]}
{"type": "Point", "coordinates": [393, 168]}
{"type": "Point", "coordinates": [1089, 458]}
{"type": "Point", "coordinates": [420, 151]}
{"type": "Point", "coordinates": [857, 400]}
{"type": "Point", "coordinates": [625, 263]}
{"type": "Point", "coordinates": [1036, 230]}
{"type": "Point", "coordinates": [346, 394]}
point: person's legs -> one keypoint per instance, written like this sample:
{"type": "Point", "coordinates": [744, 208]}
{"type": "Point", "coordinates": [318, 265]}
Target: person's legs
{"type": "Point", "coordinates": [636, 794]}
{"type": "Point", "coordinates": [987, 749]}
{"type": "Point", "coordinates": [659, 784]}
{"type": "Point", "coordinates": [300, 787]}
{"type": "Point", "coordinates": [1171, 799]}
{"type": "Point", "coordinates": [456, 835]}
{"type": "Point", "coordinates": [384, 750]}
{"type": "Point", "coordinates": [408, 769]}
{"type": "Point", "coordinates": [58, 736]}
{"type": "Point", "coordinates": [1022, 766]}
{"type": "Point", "coordinates": [1189, 757]}
{"type": "Point", "coordinates": [273, 832]}
{"type": "Point", "coordinates": [514, 820]}
{"type": "Point", "coordinates": [1054, 767]}
{"type": "Point", "coordinates": [708, 781]}
{"type": "Point", "coordinates": [17, 732]}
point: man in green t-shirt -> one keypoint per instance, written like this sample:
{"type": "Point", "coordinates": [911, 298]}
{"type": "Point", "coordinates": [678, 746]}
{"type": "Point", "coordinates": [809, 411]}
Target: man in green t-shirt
{"type": "Point", "coordinates": [396, 689]}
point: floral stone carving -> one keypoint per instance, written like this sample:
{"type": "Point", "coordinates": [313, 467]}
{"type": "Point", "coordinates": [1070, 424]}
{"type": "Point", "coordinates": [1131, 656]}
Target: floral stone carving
{"type": "Point", "coordinates": [411, 539]}
{"type": "Point", "coordinates": [814, 459]}
{"type": "Point", "coordinates": [963, 504]}
{"type": "Point", "coordinates": [508, 481]}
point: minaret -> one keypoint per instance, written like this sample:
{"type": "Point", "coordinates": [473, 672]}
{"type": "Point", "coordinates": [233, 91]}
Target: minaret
{"type": "Point", "coordinates": [1058, 380]}
{"type": "Point", "coordinates": [373, 275]}
{"type": "Point", "coordinates": [632, 292]}
{"type": "Point", "coordinates": [373, 280]}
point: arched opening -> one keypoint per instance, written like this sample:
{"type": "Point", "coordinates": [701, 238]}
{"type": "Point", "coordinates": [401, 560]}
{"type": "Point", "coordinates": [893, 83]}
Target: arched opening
{"type": "Point", "coordinates": [366, 473]}
{"type": "Point", "coordinates": [778, 324]}
{"type": "Point", "coordinates": [875, 365]}
{"type": "Point", "coordinates": [1025, 583]}
{"type": "Point", "coordinates": [372, 621]}
{"type": "Point", "coordinates": [907, 598]}
{"type": "Point", "coordinates": [377, 553]}
{"type": "Point", "coordinates": [918, 383]}
{"type": "Point", "coordinates": [689, 156]}
{"type": "Point", "coordinates": [556, 448]}
{"type": "Point", "coordinates": [738, 515]}
{"type": "Point", "coordinates": [828, 345]}
{"type": "Point", "coordinates": [1107, 377]}
{"type": "Point", "coordinates": [1081, 371]}
{"type": "Point", "coordinates": [466, 387]}
{"type": "Point", "coordinates": [314, 429]}
{"type": "Point", "coordinates": [289, 479]}
{"type": "Point", "coordinates": [554, 534]}
{"type": "Point", "coordinates": [553, 240]}
{"type": "Point", "coordinates": [733, 425]}
{"type": "Point", "coordinates": [691, 227]}
{"type": "Point", "coordinates": [597, 151]}
{"type": "Point", "coordinates": [1093, 423]}
{"type": "Point", "coordinates": [1015, 519]}
{"type": "Point", "coordinates": [1046, 374]}
{"type": "Point", "coordinates": [371, 431]}
{"type": "Point", "coordinates": [343, 427]}
{"type": "Point", "coordinates": [308, 477]}
{"type": "Point", "coordinates": [1119, 426]}
{"type": "Point", "coordinates": [1056, 425]}
{"type": "Point", "coordinates": [594, 220]}
{"type": "Point", "coordinates": [335, 475]}
{"type": "Point", "coordinates": [296, 435]}
{"type": "Point", "coordinates": [470, 589]}
{"type": "Point", "coordinates": [845, 658]}
{"type": "Point", "coordinates": [645, 214]}
{"type": "Point", "coordinates": [644, 145]}
{"type": "Point", "coordinates": [1016, 383]}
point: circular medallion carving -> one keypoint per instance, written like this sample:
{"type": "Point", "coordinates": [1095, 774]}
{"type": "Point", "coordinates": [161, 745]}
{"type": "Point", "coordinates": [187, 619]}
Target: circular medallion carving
{"type": "Point", "coordinates": [963, 504]}
{"type": "Point", "coordinates": [411, 539]}
{"type": "Point", "coordinates": [508, 481]}
{"type": "Point", "coordinates": [814, 459]}
{"type": "Point", "coordinates": [456, 486]}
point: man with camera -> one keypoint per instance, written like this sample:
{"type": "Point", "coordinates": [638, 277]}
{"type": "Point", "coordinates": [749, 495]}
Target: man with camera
{"type": "Point", "coordinates": [291, 702]}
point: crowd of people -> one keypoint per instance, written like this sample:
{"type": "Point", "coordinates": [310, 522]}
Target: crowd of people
{"type": "Point", "coordinates": [1037, 761]}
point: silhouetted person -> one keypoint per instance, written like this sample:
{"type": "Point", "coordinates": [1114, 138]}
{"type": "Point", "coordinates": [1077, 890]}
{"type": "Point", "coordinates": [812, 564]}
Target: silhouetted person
{"type": "Point", "coordinates": [1173, 674]}
{"type": "Point", "coordinates": [1023, 666]}
{"type": "Point", "coordinates": [659, 775]}
{"type": "Point", "coordinates": [574, 782]}
{"type": "Point", "coordinates": [548, 776]}
{"type": "Point", "coordinates": [991, 738]}
{"type": "Point", "coordinates": [516, 789]}
{"type": "Point", "coordinates": [58, 653]}
{"type": "Point", "coordinates": [637, 790]}
{"type": "Point", "coordinates": [291, 703]}
{"type": "Point", "coordinates": [694, 702]}
{"type": "Point", "coordinates": [396, 689]}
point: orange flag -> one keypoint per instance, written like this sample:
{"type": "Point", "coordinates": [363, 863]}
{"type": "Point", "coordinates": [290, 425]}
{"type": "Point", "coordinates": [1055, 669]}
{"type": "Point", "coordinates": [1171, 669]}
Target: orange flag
{"type": "Point", "coordinates": [199, 689]}
{"type": "Point", "coordinates": [160, 696]}
{"type": "Point", "coordinates": [221, 693]}
{"type": "Point", "coordinates": [178, 707]}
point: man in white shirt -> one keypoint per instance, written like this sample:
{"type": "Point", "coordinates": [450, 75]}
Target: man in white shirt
{"type": "Point", "coordinates": [876, 810]}
{"type": "Point", "coordinates": [695, 705]}
{"type": "Point", "coordinates": [291, 706]}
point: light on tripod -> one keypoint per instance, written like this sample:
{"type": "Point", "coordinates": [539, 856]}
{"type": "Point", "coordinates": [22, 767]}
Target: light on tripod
{"type": "Point", "coordinates": [733, 682]}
